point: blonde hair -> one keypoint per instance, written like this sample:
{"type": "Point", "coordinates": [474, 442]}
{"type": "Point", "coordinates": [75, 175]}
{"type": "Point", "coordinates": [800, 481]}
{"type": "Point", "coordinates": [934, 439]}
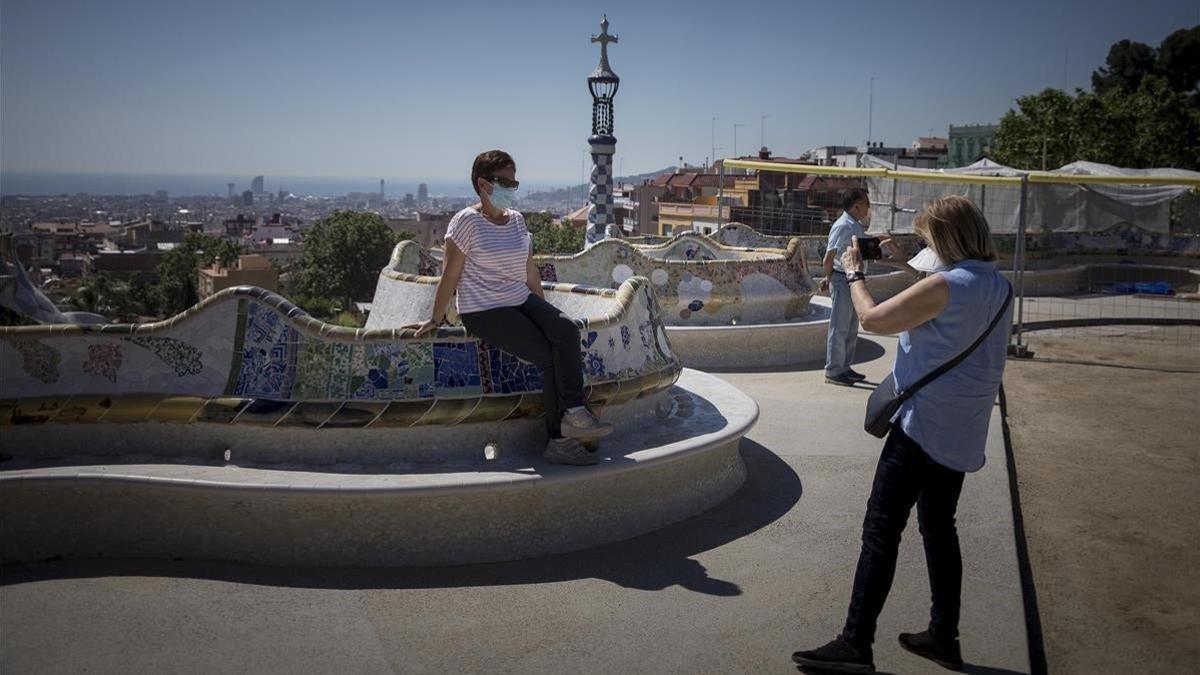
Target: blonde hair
{"type": "Point", "coordinates": [956, 230]}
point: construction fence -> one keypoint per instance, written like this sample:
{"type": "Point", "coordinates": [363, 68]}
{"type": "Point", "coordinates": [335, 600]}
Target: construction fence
{"type": "Point", "coordinates": [1094, 252]}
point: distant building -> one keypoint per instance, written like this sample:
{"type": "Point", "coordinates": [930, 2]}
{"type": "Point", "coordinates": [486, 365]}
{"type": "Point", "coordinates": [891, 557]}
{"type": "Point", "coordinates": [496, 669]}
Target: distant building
{"type": "Point", "coordinates": [160, 195]}
{"type": "Point", "coordinates": [49, 241]}
{"type": "Point", "coordinates": [427, 230]}
{"type": "Point", "coordinates": [229, 186]}
{"type": "Point", "coordinates": [256, 185]}
{"type": "Point", "coordinates": [240, 226]}
{"type": "Point", "coordinates": [674, 218]}
{"type": "Point", "coordinates": [249, 270]}
{"type": "Point", "coordinates": [422, 193]}
{"type": "Point", "coordinates": [827, 155]}
{"type": "Point", "coordinates": [247, 198]}
{"type": "Point", "coordinates": [381, 190]}
{"type": "Point", "coordinates": [645, 202]}
{"type": "Point", "coordinates": [409, 202]}
{"type": "Point", "coordinates": [125, 264]}
{"type": "Point", "coordinates": [930, 145]}
{"type": "Point", "coordinates": [280, 196]}
{"type": "Point", "coordinates": [969, 143]}
{"type": "Point", "coordinates": [149, 233]}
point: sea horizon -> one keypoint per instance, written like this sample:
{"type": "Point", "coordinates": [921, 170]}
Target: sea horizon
{"type": "Point", "coordinates": [39, 183]}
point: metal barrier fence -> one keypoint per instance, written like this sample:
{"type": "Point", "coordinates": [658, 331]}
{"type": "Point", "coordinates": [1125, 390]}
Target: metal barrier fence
{"type": "Point", "coordinates": [1099, 258]}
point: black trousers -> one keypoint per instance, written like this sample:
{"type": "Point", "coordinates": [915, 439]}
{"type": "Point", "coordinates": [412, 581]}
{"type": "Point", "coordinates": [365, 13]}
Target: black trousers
{"type": "Point", "coordinates": [537, 332]}
{"type": "Point", "coordinates": [906, 475]}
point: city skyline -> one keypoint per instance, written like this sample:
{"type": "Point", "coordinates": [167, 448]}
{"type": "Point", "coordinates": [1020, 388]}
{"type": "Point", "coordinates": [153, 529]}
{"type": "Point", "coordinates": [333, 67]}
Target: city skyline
{"type": "Point", "coordinates": [304, 90]}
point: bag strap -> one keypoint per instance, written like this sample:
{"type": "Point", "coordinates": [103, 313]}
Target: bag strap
{"type": "Point", "coordinates": [941, 370]}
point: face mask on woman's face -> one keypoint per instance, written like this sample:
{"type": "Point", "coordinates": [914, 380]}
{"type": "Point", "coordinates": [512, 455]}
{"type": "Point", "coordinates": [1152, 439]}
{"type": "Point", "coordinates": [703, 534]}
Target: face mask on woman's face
{"type": "Point", "coordinates": [502, 197]}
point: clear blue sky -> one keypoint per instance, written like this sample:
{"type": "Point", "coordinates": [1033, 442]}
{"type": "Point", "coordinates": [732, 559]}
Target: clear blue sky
{"type": "Point", "coordinates": [416, 89]}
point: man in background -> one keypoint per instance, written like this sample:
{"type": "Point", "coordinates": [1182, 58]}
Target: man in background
{"type": "Point", "coordinates": [843, 322]}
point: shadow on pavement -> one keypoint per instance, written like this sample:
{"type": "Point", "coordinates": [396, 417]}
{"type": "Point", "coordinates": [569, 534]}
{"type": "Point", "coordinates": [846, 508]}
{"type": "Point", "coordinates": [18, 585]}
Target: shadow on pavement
{"type": "Point", "coordinates": [653, 561]}
{"type": "Point", "coordinates": [976, 669]}
{"type": "Point", "coordinates": [868, 350]}
{"type": "Point", "coordinates": [967, 668]}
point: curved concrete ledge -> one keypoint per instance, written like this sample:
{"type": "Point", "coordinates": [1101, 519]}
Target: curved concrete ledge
{"type": "Point", "coordinates": [755, 345]}
{"type": "Point", "coordinates": [673, 465]}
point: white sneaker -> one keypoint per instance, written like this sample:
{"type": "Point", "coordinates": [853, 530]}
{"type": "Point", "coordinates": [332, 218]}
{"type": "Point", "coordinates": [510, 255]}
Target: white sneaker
{"type": "Point", "coordinates": [569, 451]}
{"type": "Point", "coordinates": [582, 425]}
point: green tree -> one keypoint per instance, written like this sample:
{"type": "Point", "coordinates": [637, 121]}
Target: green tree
{"type": "Point", "coordinates": [1179, 61]}
{"type": "Point", "coordinates": [321, 308]}
{"type": "Point", "coordinates": [1144, 112]}
{"type": "Point", "coordinates": [115, 299]}
{"type": "Point", "coordinates": [1041, 132]}
{"type": "Point", "coordinates": [180, 266]}
{"type": "Point", "coordinates": [343, 255]}
{"type": "Point", "coordinates": [1127, 63]}
{"type": "Point", "coordinates": [1150, 127]}
{"type": "Point", "coordinates": [550, 237]}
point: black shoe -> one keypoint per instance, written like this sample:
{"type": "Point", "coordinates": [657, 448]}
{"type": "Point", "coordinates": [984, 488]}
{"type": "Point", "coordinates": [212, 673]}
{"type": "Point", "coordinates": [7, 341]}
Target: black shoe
{"type": "Point", "coordinates": [855, 375]}
{"type": "Point", "coordinates": [946, 655]}
{"type": "Point", "coordinates": [838, 656]}
{"type": "Point", "coordinates": [843, 380]}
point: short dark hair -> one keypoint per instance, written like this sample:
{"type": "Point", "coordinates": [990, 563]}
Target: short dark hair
{"type": "Point", "coordinates": [852, 197]}
{"type": "Point", "coordinates": [487, 163]}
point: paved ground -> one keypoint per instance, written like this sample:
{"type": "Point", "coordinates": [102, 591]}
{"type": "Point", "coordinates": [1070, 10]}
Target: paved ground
{"type": "Point", "coordinates": [1104, 438]}
{"type": "Point", "coordinates": [734, 590]}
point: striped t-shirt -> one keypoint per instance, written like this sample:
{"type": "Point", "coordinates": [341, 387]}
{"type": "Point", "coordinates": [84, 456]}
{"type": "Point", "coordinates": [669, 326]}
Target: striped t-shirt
{"type": "Point", "coordinates": [497, 258]}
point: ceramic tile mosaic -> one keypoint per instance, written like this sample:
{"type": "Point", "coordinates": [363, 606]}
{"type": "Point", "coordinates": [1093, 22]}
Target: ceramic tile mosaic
{"type": "Point", "coordinates": [38, 360]}
{"type": "Point", "coordinates": [419, 379]}
{"type": "Point", "coordinates": [456, 368]}
{"type": "Point", "coordinates": [698, 280]}
{"type": "Point", "coordinates": [509, 374]}
{"type": "Point", "coordinates": [104, 359]}
{"type": "Point", "coordinates": [340, 354]}
{"type": "Point", "coordinates": [182, 358]}
{"type": "Point", "coordinates": [246, 347]}
{"type": "Point", "coordinates": [269, 354]}
{"type": "Point", "coordinates": [313, 366]}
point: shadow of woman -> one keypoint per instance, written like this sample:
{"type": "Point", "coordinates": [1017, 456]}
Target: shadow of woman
{"type": "Point", "coordinates": [652, 561]}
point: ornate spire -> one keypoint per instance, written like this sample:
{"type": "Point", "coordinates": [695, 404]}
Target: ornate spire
{"type": "Point", "coordinates": [603, 71]}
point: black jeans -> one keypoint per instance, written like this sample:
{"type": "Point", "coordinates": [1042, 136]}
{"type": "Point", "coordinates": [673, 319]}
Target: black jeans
{"type": "Point", "coordinates": [906, 475]}
{"type": "Point", "coordinates": [537, 332]}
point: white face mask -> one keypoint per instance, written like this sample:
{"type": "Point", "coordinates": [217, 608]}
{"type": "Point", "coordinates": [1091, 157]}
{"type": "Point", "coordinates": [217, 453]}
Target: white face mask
{"type": "Point", "coordinates": [927, 261]}
{"type": "Point", "coordinates": [502, 197]}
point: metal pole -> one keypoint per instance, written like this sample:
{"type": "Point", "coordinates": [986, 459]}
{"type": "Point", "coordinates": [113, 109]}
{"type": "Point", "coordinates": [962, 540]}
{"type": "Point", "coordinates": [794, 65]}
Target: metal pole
{"type": "Point", "coordinates": [870, 109]}
{"type": "Point", "coordinates": [714, 139]}
{"type": "Point", "coordinates": [892, 220]}
{"type": "Point", "coordinates": [1019, 266]}
{"type": "Point", "coordinates": [720, 193]}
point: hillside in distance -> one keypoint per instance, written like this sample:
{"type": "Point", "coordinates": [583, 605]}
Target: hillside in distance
{"type": "Point", "coordinates": [573, 191]}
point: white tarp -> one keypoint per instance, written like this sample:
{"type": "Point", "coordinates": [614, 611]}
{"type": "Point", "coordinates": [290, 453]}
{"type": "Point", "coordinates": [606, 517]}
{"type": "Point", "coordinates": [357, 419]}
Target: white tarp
{"type": "Point", "coordinates": [1063, 207]}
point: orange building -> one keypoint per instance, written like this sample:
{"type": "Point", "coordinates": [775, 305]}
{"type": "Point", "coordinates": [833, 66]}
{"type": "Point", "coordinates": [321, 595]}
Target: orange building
{"type": "Point", "coordinates": [249, 270]}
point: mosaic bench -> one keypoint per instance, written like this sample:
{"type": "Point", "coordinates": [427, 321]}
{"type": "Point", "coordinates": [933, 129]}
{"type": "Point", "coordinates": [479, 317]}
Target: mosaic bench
{"type": "Point", "coordinates": [244, 429]}
{"type": "Point", "coordinates": [247, 358]}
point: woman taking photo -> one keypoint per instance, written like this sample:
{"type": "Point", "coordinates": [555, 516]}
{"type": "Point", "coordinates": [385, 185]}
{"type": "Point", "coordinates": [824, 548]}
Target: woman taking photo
{"type": "Point", "coordinates": [489, 264]}
{"type": "Point", "coordinates": [937, 436]}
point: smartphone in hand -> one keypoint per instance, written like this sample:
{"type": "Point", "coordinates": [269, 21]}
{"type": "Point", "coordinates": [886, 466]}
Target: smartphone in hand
{"type": "Point", "coordinates": [869, 248]}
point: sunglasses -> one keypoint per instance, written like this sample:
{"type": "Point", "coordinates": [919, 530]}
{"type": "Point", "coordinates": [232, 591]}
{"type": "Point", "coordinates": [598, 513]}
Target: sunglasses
{"type": "Point", "coordinates": [503, 182]}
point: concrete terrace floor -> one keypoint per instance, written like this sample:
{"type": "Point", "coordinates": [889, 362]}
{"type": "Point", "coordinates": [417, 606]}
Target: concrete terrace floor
{"type": "Point", "coordinates": [734, 590]}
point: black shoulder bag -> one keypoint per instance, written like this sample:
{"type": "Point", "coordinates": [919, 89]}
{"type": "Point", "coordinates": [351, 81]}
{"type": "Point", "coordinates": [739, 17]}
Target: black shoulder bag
{"type": "Point", "coordinates": [885, 400]}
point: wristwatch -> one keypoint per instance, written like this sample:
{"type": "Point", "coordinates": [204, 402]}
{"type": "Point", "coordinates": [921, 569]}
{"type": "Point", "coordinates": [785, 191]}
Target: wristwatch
{"type": "Point", "coordinates": [855, 276]}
